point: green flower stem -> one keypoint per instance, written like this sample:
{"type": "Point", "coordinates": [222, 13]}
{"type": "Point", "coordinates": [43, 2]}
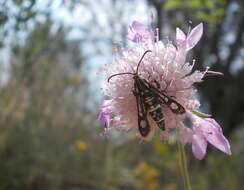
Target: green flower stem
{"type": "Point", "coordinates": [183, 166]}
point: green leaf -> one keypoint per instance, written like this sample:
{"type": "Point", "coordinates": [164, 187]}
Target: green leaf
{"type": "Point", "coordinates": [206, 17]}
{"type": "Point", "coordinates": [209, 4]}
{"type": "Point", "coordinates": [220, 12]}
{"type": "Point", "coordinates": [223, 2]}
{"type": "Point", "coordinates": [201, 114]}
{"type": "Point", "coordinates": [172, 4]}
{"type": "Point", "coordinates": [194, 4]}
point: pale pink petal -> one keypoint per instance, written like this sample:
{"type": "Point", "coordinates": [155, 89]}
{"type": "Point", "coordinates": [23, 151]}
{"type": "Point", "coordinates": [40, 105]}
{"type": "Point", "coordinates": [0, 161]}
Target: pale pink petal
{"type": "Point", "coordinates": [194, 36]}
{"type": "Point", "coordinates": [216, 138]}
{"type": "Point", "coordinates": [139, 27]}
{"type": "Point", "coordinates": [211, 131]}
{"type": "Point", "coordinates": [215, 124]}
{"type": "Point", "coordinates": [104, 118]}
{"type": "Point", "coordinates": [104, 115]}
{"type": "Point", "coordinates": [138, 32]}
{"type": "Point", "coordinates": [219, 141]}
{"type": "Point", "coordinates": [180, 37]}
{"type": "Point", "coordinates": [199, 146]}
{"type": "Point", "coordinates": [133, 36]}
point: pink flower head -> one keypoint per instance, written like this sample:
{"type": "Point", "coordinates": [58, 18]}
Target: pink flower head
{"type": "Point", "coordinates": [138, 32]}
{"type": "Point", "coordinates": [206, 130]}
{"type": "Point", "coordinates": [164, 64]}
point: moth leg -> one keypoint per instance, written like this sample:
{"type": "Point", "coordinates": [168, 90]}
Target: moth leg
{"type": "Point", "coordinates": [167, 85]}
{"type": "Point", "coordinates": [149, 76]}
{"type": "Point", "coordinates": [157, 84]}
{"type": "Point", "coordinates": [134, 93]}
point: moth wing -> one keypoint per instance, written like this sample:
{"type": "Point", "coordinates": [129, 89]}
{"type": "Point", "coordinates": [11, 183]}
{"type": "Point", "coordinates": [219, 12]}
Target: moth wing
{"type": "Point", "coordinates": [173, 105]}
{"type": "Point", "coordinates": [143, 124]}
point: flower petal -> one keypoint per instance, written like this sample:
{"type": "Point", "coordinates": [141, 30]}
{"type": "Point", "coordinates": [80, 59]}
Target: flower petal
{"type": "Point", "coordinates": [104, 116]}
{"type": "Point", "coordinates": [199, 146]}
{"type": "Point", "coordinates": [134, 37]}
{"type": "Point", "coordinates": [211, 131]}
{"type": "Point", "coordinates": [220, 142]}
{"type": "Point", "coordinates": [104, 119]}
{"type": "Point", "coordinates": [194, 36]}
{"type": "Point", "coordinates": [216, 137]}
{"type": "Point", "coordinates": [139, 27]}
{"type": "Point", "coordinates": [139, 32]}
{"type": "Point", "coordinates": [180, 37]}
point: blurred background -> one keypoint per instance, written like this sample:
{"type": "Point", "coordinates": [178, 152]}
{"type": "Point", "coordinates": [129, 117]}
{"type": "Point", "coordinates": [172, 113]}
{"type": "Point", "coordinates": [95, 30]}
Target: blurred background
{"type": "Point", "coordinates": [50, 52]}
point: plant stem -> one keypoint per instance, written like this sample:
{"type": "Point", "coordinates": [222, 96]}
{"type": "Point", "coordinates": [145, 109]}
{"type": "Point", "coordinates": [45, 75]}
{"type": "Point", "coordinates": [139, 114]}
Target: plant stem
{"type": "Point", "coordinates": [183, 166]}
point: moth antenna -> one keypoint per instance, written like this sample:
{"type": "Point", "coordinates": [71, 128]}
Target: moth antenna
{"type": "Point", "coordinates": [141, 60]}
{"type": "Point", "coordinates": [127, 73]}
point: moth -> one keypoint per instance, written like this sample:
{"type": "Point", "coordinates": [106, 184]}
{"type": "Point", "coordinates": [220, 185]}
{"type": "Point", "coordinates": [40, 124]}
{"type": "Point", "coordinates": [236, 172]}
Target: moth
{"type": "Point", "coordinates": [149, 100]}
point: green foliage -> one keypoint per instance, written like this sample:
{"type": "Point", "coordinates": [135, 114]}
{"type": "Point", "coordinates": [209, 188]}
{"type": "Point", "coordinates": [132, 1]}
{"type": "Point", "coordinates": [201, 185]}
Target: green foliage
{"type": "Point", "coordinates": [171, 5]}
{"type": "Point", "coordinates": [204, 10]}
{"type": "Point", "coordinates": [213, 17]}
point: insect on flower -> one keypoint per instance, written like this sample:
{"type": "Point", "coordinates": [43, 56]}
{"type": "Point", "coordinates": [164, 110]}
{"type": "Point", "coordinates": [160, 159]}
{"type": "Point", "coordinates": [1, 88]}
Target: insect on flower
{"type": "Point", "coordinates": [157, 93]}
{"type": "Point", "coordinates": [149, 99]}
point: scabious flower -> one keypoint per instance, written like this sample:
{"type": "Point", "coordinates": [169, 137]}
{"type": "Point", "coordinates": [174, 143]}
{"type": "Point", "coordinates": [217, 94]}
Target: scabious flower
{"type": "Point", "coordinates": [165, 64]}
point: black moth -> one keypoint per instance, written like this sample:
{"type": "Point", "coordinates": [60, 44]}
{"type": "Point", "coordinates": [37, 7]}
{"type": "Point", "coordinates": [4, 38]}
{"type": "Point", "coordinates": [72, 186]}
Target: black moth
{"type": "Point", "coordinates": [149, 99]}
